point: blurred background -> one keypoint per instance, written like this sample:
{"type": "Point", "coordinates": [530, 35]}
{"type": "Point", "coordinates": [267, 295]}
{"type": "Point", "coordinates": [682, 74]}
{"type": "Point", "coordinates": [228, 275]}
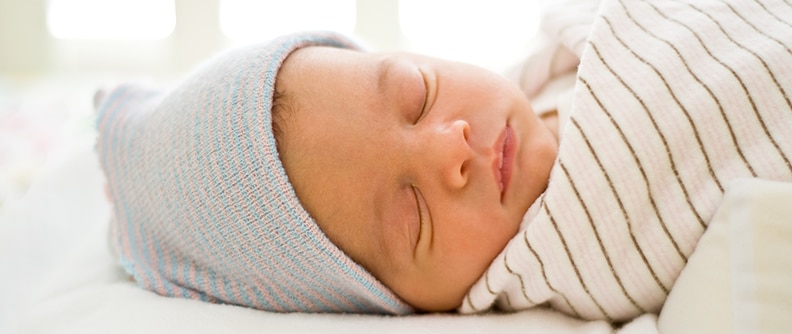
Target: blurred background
{"type": "Point", "coordinates": [54, 54]}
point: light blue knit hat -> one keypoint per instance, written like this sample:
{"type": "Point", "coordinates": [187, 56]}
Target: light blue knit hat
{"type": "Point", "coordinates": [202, 207]}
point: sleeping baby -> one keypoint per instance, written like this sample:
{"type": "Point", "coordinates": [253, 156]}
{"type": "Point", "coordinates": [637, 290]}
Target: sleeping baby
{"type": "Point", "coordinates": [308, 175]}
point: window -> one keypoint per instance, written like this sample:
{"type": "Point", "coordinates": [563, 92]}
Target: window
{"type": "Point", "coordinates": [481, 32]}
{"type": "Point", "coordinates": [247, 20]}
{"type": "Point", "coordinates": [111, 19]}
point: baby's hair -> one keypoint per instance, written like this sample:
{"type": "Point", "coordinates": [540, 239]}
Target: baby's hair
{"type": "Point", "coordinates": [280, 107]}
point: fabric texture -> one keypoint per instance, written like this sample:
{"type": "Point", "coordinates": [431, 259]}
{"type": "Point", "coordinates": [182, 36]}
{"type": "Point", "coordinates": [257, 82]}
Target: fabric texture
{"type": "Point", "coordinates": [673, 100]}
{"type": "Point", "coordinates": [202, 207]}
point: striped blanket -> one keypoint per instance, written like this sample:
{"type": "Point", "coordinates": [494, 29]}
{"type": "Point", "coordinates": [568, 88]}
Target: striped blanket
{"type": "Point", "coordinates": [673, 100]}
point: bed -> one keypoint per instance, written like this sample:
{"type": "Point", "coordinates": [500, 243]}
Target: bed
{"type": "Point", "coordinates": [54, 240]}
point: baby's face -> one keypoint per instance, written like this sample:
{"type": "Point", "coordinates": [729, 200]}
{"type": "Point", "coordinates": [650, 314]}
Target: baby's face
{"type": "Point", "coordinates": [419, 169]}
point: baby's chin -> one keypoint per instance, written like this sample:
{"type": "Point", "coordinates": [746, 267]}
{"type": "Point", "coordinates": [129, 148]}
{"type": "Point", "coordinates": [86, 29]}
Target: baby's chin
{"type": "Point", "coordinates": [535, 167]}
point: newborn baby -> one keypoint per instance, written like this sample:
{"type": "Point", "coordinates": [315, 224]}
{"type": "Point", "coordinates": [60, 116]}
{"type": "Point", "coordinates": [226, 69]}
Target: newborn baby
{"type": "Point", "coordinates": [420, 171]}
{"type": "Point", "coordinates": [307, 175]}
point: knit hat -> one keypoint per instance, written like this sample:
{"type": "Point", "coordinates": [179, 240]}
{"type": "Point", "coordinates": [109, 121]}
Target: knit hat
{"type": "Point", "coordinates": [202, 207]}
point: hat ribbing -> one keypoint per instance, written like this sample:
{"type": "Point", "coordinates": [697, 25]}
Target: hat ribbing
{"type": "Point", "coordinates": [202, 206]}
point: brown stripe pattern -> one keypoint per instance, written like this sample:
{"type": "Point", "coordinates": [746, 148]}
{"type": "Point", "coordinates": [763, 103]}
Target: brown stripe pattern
{"type": "Point", "coordinates": [674, 100]}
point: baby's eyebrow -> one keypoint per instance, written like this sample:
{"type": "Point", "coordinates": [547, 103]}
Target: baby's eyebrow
{"type": "Point", "coordinates": [383, 71]}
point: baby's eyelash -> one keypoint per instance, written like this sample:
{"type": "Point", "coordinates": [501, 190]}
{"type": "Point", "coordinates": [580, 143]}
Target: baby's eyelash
{"type": "Point", "coordinates": [426, 96]}
{"type": "Point", "coordinates": [420, 213]}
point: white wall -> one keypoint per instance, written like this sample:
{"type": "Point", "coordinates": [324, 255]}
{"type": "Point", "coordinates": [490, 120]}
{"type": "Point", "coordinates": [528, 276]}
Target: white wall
{"type": "Point", "coordinates": [28, 50]}
{"type": "Point", "coordinates": [24, 40]}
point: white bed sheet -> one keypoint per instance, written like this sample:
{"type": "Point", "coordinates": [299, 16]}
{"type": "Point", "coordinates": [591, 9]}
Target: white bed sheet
{"type": "Point", "coordinates": [62, 278]}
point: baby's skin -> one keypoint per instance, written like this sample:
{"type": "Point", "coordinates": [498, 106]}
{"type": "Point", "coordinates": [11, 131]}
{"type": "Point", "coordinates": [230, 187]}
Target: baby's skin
{"type": "Point", "coordinates": [420, 169]}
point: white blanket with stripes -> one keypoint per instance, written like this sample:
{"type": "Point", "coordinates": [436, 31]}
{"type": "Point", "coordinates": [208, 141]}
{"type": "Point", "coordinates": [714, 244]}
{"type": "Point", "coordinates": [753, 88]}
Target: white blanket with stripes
{"type": "Point", "coordinates": [673, 99]}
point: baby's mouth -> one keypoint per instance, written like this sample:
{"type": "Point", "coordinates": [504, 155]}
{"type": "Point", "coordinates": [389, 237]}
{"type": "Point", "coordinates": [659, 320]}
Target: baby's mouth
{"type": "Point", "coordinates": [505, 159]}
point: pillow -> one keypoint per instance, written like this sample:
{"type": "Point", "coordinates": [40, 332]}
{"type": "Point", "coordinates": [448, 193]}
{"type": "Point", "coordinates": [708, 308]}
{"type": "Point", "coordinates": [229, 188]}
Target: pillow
{"type": "Point", "coordinates": [738, 279]}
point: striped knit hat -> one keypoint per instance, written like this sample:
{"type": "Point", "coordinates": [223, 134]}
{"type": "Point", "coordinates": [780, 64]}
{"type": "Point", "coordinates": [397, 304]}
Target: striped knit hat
{"type": "Point", "coordinates": [202, 207]}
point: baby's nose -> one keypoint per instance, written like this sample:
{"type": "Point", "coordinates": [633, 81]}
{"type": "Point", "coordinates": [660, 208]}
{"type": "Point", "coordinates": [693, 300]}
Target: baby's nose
{"type": "Point", "coordinates": [450, 153]}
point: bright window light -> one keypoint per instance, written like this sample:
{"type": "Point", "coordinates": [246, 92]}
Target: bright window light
{"type": "Point", "coordinates": [111, 19]}
{"type": "Point", "coordinates": [481, 32]}
{"type": "Point", "coordinates": [249, 20]}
